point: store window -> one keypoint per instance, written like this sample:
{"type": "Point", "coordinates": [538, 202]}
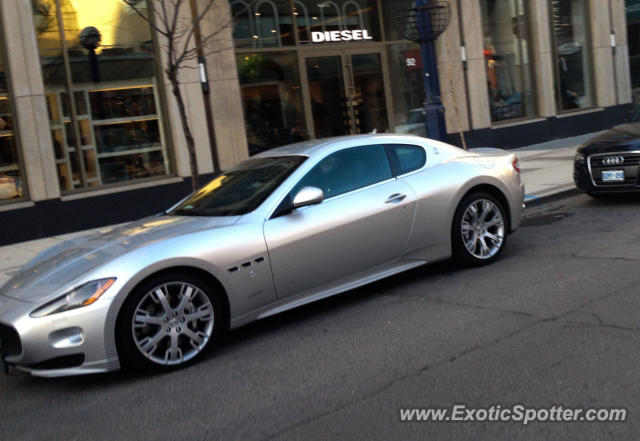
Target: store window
{"type": "Point", "coordinates": [337, 21]}
{"type": "Point", "coordinates": [11, 180]}
{"type": "Point", "coordinates": [571, 53]}
{"type": "Point", "coordinates": [506, 51]}
{"type": "Point", "coordinates": [395, 13]}
{"type": "Point", "coordinates": [100, 80]}
{"type": "Point", "coordinates": [272, 99]}
{"type": "Point", "coordinates": [407, 88]}
{"type": "Point", "coordinates": [262, 23]}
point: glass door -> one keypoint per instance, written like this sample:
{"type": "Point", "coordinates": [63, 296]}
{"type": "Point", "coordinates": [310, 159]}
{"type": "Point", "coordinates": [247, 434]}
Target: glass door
{"type": "Point", "coordinates": [368, 98]}
{"type": "Point", "coordinates": [347, 94]}
{"type": "Point", "coordinates": [328, 93]}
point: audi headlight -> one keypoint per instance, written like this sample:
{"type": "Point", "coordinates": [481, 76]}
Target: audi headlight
{"type": "Point", "coordinates": [579, 159]}
{"type": "Point", "coordinates": [82, 296]}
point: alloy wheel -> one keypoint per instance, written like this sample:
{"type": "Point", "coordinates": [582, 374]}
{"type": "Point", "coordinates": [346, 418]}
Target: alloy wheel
{"type": "Point", "coordinates": [482, 229]}
{"type": "Point", "coordinates": [172, 323]}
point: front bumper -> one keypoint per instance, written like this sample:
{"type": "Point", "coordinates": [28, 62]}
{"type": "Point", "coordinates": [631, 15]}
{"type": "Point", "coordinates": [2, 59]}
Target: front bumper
{"type": "Point", "coordinates": [587, 178]}
{"type": "Point", "coordinates": [69, 343]}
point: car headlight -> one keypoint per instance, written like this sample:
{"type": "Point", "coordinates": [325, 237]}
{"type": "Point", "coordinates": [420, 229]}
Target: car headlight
{"type": "Point", "coordinates": [82, 296]}
{"type": "Point", "coordinates": [579, 159]}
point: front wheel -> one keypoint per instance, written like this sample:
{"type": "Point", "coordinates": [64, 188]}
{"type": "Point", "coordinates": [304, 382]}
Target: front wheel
{"type": "Point", "coordinates": [479, 230]}
{"type": "Point", "coordinates": [168, 322]}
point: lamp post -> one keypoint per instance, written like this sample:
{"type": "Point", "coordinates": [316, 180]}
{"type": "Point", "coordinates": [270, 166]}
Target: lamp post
{"type": "Point", "coordinates": [90, 38]}
{"type": "Point", "coordinates": [433, 108]}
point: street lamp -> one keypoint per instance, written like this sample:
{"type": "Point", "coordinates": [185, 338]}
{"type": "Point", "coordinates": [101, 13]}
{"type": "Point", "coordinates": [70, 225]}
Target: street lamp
{"type": "Point", "coordinates": [423, 24]}
{"type": "Point", "coordinates": [90, 39]}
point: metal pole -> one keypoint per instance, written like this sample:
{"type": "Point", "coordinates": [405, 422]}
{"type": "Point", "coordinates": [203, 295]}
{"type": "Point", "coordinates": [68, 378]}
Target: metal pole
{"type": "Point", "coordinates": [434, 110]}
{"type": "Point", "coordinates": [72, 100]}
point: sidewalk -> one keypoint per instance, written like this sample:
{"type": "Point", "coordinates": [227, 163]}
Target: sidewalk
{"type": "Point", "coordinates": [547, 170]}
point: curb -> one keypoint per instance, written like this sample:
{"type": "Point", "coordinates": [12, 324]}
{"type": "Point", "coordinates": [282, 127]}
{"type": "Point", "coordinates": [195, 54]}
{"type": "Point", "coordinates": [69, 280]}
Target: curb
{"type": "Point", "coordinates": [535, 201]}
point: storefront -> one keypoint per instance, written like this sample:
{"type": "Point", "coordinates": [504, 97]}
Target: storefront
{"type": "Point", "coordinates": [632, 10]}
{"type": "Point", "coordinates": [102, 54]}
{"type": "Point", "coordinates": [311, 69]}
{"type": "Point", "coordinates": [89, 135]}
{"type": "Point", "coordinates": [11, 179]}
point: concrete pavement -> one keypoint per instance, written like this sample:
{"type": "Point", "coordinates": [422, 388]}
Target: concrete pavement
{"type": "Point", "coordinates": [547, 171]}
{"type": "Point", "coordinates": [547, 168]}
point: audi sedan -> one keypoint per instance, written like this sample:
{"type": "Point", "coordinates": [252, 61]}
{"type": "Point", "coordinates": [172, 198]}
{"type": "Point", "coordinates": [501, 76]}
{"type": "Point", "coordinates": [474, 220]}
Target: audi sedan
{"type": "Point", "coordinates": [609, 163]}
{"type": "Point", "coordinates": [285, 228]}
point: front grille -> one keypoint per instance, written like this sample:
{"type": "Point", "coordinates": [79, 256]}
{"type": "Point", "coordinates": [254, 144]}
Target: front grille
{"type": "Point", "coordinates": [630, 159]}
{"type": "Point", "coordinates": [64, 362]}
{"type": "Point", "coordinates": [9, 341]}
{"type": "Point", "coordinates": [630, 165]}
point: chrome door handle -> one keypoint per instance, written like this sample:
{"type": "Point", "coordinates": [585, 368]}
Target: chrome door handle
{"type": "Point", "coordinates": [395, 198]}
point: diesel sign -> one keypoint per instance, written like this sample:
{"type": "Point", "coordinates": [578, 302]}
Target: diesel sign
{"type": "Point", "coordinates": [355, 35]}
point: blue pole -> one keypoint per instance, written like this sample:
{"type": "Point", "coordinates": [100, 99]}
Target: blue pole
{"type": "Point", "coordinates": [434, 110]}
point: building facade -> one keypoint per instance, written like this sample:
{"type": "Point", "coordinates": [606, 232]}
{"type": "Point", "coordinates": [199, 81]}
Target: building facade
{"type": "Point", "coordinates": [90, 134]}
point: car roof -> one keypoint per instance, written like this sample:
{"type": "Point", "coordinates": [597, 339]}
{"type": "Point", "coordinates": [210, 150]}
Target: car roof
{"type": "Point", "coordinates": [329, 145]}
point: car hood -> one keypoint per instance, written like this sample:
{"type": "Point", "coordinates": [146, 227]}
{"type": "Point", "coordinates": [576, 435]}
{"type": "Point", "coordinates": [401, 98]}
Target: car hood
{"type": "Point", "coordinates": [619, 138]}
{"type": "Point", "coordinates": [62, 264]}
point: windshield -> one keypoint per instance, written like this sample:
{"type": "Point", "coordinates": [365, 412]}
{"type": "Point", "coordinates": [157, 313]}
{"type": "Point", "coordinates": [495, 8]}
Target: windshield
{"type": "Point", "coordinates": [241, 189]}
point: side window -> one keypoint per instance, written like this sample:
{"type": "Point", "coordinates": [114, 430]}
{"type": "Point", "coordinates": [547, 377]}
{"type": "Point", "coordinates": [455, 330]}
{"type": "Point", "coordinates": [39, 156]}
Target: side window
{"type": "Point", "coordinates": [406, 158]}
{"type": "Point", "coordinates": [348, 170]}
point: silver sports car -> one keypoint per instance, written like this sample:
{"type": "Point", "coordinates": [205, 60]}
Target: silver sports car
{"type": "Point", "coordinates": [287, 227]}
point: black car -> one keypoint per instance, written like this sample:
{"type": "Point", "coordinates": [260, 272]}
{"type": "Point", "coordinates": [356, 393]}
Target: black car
{"type": "Point", "coordinates": [610, 162]}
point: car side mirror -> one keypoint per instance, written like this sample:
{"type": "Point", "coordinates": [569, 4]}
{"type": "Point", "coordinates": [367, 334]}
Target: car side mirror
{"type": "Point", "coordinates": [307, 196]}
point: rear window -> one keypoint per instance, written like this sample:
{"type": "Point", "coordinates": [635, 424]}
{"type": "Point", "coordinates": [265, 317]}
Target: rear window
{"type": "Point", "coordinates": [406, 158]}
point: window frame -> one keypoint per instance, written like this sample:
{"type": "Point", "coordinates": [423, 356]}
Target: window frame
{"type": "Point", "coordinates": [522, 75]}
{"type": "Point", "coordinates": [557, 92]}
{"type": "Point", "coordinates": [70, 124]}
{"type": "Point", "coordinates": [20, 160]}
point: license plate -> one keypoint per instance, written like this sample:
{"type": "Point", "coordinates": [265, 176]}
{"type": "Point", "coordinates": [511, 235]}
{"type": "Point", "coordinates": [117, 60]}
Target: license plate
{"type": "Point", "coordinates": [613, 176]}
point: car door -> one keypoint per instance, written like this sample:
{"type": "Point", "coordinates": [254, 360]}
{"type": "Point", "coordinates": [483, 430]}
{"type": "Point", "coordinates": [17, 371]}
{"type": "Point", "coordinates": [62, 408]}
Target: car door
{"type": "Point", "coordinates": [363, 223]}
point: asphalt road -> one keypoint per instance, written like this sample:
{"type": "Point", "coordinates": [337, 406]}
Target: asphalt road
{"type": "Point", "coordinates": [556, 321]}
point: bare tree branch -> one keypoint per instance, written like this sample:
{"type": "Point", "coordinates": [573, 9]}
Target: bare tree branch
{"type": "Point", "coordinates": [195, 24]}
{"type": "Point", "coordinates": [131, 4]}
{"type": "Point", "coordinates": [180, 46]}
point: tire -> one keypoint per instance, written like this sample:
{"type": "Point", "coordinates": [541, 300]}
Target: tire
{"type": "Point", "coordinates": [169, 322]}
{"type": "Point", "coordinates": [478, 239]}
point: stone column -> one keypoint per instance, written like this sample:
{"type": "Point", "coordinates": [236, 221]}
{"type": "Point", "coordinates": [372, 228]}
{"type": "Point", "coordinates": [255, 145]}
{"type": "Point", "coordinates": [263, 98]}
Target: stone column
{"type": "Point", "coordinates": [451, 75]}
{"type": "Point", "coordinates": [476, 65]}
{"type": "Point", "coordinates": [26, 88]}
{"type": "Point", "coordinates": [225, 97]}
{"type": "Point", "coordinates": [602, 67]}
{"type": "Point", "coordinates": [623, 75]}
{"type": "Point", "coordinates": [194, 104]}
{"type": "Point", "coordinates": [542, 57]}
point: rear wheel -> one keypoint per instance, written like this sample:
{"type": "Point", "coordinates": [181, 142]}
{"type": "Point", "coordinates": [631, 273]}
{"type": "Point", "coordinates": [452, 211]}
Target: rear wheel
{"type": "Point", "coordinates": [479, 230]}
{"type": "Point", "coordinates": [168, 322]}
